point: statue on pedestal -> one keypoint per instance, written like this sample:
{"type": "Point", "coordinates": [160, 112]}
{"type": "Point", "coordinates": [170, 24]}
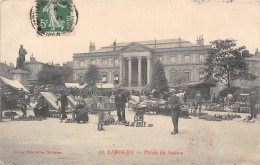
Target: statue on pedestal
{"type": "Point", "coordinates": [20, 60]}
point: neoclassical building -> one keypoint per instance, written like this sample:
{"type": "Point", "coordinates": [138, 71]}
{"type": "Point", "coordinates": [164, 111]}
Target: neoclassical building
{"type": "Point", "coordinates": [131, 63]}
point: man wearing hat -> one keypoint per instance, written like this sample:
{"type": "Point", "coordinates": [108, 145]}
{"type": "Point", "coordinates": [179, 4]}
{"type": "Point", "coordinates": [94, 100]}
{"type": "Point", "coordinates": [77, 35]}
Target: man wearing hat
{"type": "Point", "coordinates": [175, 106]}
{"type": "Point", "coordinates": [23, 103]}
{"type": "Point", "coordinates": [101, 113]}
{"type": "Point", "coordinates": [198, 101]}
{"type": "Point", "coordinates": [253, 103]}
{"type": "Point", "coordinates": [64, 102]}
{"type": "Point", "coordinates": [120, 101]}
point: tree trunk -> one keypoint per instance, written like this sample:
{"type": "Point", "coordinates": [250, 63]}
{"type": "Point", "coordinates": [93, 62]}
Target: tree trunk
{"type": "Point", "coordinates": [228, 79]}
{"type": "Point", "coordinates": [1, 114]}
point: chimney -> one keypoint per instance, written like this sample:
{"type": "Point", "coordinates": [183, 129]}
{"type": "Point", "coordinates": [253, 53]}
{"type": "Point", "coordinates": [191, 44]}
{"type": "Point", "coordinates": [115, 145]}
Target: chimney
{"type": "Point", "coordinates": [200, 40]}
{"type": "Point", "coordinates": [92, 47]}
{"type": "Point", "coordinates": [114, 46]}
{"type": "Point", "coordinates": [179, 41]}
{"type": "Point", "coordinates": [32, 59]}
{"type": "Point", "coordinates": [11, 65]}
{"type": "Point", "coordinates": [257, 53]}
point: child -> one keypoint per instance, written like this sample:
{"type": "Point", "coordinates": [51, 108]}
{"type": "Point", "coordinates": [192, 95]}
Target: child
{"type": "Point", "coordinates": [101, 114]}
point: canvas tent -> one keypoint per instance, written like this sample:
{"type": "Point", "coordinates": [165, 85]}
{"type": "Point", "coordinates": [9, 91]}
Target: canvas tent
{"type": "Point", "coordinates": [72, 101]}
{"type": "Point", "coordinates": [51, 98]}
{"type": "Point", "coordinates": [13, 83]}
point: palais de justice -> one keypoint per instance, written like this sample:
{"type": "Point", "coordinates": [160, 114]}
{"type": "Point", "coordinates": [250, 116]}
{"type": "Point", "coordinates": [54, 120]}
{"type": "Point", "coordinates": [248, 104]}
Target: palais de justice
{"type": "Point", "coordinates": [131, 63]}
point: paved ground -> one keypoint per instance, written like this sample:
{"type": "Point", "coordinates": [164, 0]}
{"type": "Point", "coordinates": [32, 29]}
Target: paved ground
{"type": "Point", "coordinates": [199, 142]}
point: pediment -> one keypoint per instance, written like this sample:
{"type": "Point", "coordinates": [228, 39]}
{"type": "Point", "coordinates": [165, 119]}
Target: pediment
{"type": "Point", "coordinates": [134, 47]}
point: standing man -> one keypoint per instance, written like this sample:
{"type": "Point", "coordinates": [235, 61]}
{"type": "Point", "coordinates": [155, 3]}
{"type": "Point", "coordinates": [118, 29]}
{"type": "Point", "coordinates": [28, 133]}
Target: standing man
{"type": "Point", "coordinates": [120, 101]}
{"type": "Point", "coordinates": [230, 99]}
{"type": "Point", "coordinates": [253, 103]}
{"type": "Point", "coordinates": [185, 97]}
{"type": "Point", "coordinates": [198, 101]}
{"type": "Point", "coordinates": [175, 106]}
{"type": "Point", "coordinates": [64, 103]}
{"type": "Point", "coordinates": [23, 102]}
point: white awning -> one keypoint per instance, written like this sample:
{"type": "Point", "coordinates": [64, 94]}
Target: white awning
{"type": "Point", "coordinates": [14, 83]}
{"type": "Point", "coordinates": [51, 98]}
{"type": "Point", "coordinates": [75, 85]}
{"type": "Point", "coordinates": [193, 83]}
{"type": "Point", "coordinates": [107, 85]}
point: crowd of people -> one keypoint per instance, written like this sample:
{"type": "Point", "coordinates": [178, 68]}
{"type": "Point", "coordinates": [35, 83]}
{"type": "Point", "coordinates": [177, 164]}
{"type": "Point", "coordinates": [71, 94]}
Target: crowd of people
{"type": "Point", "coordinates": [120, 97]}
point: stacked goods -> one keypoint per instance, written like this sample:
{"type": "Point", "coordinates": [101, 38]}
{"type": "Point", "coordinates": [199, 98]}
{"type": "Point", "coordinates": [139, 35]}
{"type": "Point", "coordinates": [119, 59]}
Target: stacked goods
{"type": "Point", "coordinates": [10, 114]}
{"type": "Point", "coordinates": [30, 118]}
{"type": "Point", "coordinates": [142, 102]}
{"type": "Point", "coordinates": [109, 120]}
{"type": "Point", "coordinates": [162, 104]}
{"type": "Point", "coordinates": [135, 100]}
{"type": "Point", "coordinates": [217, 117]}
{"type": "Point", "coordinates": [215, 107]}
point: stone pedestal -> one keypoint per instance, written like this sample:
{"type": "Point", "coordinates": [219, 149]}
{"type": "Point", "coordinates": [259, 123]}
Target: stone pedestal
{"type": "Point", "coordinates": [21, 75]}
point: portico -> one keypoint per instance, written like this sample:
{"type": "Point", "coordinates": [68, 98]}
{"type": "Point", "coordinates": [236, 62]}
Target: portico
{"type": "Point", "coordinates": [135, 69]}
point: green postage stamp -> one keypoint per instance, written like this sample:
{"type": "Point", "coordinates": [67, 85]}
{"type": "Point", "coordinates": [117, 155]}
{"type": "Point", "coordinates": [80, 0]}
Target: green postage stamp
{"type": "Point", "coordinates": [54, 17]}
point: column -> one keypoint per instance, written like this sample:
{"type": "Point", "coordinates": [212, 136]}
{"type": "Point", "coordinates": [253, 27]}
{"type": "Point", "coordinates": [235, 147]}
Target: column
{"type": "Point", "coordinates": [110, 77]}
{"type": "Point", "coordinates": [139, 71]}
{"type": "Point", "coordinates": [148, 70]}
{"type": "Point", "coordinates": [124, 72]}
{"type": "Point", "coordinates": [120, 70]}
{"type": "Point", "coordinates": [129, 71]}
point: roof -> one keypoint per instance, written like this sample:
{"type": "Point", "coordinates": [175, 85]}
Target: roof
{"type": "Point", "coordinates": [13, 83]}
{"type": "Point", "coordinates": [33, 62]}
{"type": "Point", "coordinates": [152, 44]}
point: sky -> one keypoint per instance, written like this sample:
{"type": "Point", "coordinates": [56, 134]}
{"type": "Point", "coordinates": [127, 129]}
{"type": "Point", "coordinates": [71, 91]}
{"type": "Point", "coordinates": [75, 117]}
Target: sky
{"type": "Point", "coordinates": [104, 21]}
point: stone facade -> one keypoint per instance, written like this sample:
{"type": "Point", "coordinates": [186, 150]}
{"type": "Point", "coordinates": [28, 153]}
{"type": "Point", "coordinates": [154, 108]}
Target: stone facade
{"type": "Point", "coordinates": [34, 67]}
{"type": "Point", "coordinates": [131, 63]}
{"type": "Point", "coordinates": [254, 68]}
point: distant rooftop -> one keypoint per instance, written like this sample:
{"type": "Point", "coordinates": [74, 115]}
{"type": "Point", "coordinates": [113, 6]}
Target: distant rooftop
{"type": "Point", "coordinates": [153, 44]}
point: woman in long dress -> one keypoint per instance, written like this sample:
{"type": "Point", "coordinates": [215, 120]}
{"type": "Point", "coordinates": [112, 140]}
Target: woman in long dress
{"type": "Point", "coordinates": [50, 8]}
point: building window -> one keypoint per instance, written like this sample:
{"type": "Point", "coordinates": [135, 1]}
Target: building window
{"type": "Point", "coordinates": [194, 58]}
{"type": "Point", "coordinates": [80, 76]}
{"type": "Point", "coordinates": [171, 78]}
{"type": "Point", "coordinates": [110, 62]}
{"type": "Point", "coordinates": [116, 62]}
{"type": "Point", "coordinates": [104, 62]}
{"type": "Point", "coordinates": [159, 58]}
{"type": "Point", "coordinates": [187, 59]}
{"type": "Point", "coordinates": [201, 58]}
{"type": "Point", "coordinates": [201, 75]}
{"type": "Point", "coordinates": [81, 65]}
{"type": "Point", "coordinates": [172, 59]}
{"type": "Point", "coordinates": [98, 62]}
{"type": "Point", "coordinates": [75, 64]}
{"type": "Point", "coordinates": [116, 79]}
{"type": "Point", "coordinates": [104, 78]}
{"type": "Point", "coordinates": [85, 64]}
{"type": "Point", "coordinates": [187, 74]}
{"type": "Point", "coordinates": [93, 62]}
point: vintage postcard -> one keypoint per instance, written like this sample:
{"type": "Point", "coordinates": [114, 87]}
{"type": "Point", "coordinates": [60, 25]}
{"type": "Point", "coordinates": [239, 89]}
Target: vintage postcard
{"type": "Point", "coordinates": [90, 82]}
